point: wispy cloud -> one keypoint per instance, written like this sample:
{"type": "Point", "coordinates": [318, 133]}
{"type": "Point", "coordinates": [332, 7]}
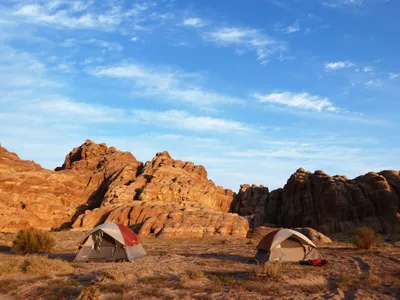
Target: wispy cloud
{"type": "Point", "coordinates": [333, 66]}
{"type": "Point", "coordinates": [393, 76]}
{"type": "Point", "coordinates": [367, 69]}
{"type": "Point", "coordinates": [185, 121]}
{"type": "Point", "coordinates": [302, 100]}
{"type": "Point", "coordinates": [194, 22]}
{"type": "Point", "coordinates": [104, 16]}
{"type": "Point", "coordinates": [247, 38]}
{"type": "Point", "coordinates": [373, 83]}
{"type": "Point", "coordinates": [342, 3]}
{"type": "Point", "coordinates": [293, 28]}
{"type": "Point", "coordinates": [173, 85]}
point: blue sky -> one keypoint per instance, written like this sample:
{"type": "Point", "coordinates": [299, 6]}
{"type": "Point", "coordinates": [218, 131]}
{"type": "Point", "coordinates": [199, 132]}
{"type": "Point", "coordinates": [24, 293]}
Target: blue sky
{"type": "Point", "coordinates": [252, 90]}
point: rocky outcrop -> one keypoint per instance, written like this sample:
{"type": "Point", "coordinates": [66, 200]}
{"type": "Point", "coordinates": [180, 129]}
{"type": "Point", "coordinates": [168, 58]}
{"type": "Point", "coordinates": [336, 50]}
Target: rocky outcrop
{"type": "Point", "coordinates": [327, 203]}
{"type": "Point", "coordinates": [163, 219]}
{"type": "Point", "coordinates": [95, 179]}
{"type": "Point", "coordinates": [315, 236]}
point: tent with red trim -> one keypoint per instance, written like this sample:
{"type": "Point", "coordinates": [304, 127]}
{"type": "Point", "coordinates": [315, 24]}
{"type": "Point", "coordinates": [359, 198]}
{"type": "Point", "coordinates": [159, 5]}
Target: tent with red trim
{"type": "Point", "coordinates": [286, 245]}
{"type": "Point", "coordinates": [110, 242]}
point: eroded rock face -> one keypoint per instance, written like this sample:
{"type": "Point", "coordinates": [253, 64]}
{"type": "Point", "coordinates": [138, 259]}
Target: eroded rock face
{"type": "Point", "coordinates": [328, 203]}
{"type": "Point", "coordinates": [95, 176]}
{"type": "Point", "coordinates": [167, 180]}
{"type": "Point", "coordinates": [163, 219]}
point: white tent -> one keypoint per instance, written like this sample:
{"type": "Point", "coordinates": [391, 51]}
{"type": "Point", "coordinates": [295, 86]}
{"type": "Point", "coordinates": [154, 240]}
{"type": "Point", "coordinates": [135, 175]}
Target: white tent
{"type": "Point", "coordinates": [286, 245]}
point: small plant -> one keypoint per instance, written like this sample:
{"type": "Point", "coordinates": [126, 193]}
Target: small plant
{"type": "Point", "coordinates": [268, 270]}
{"type": "Point", "coordinates": [33, 240]}
{"type": "Point", "coordinates": [364, 238]}
{"type": "Point", "coordinates": [90, 293]}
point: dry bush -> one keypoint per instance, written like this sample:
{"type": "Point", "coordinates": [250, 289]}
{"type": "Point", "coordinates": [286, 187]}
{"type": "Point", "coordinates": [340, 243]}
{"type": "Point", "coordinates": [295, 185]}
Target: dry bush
{"type": "Point", "coordinates": [58, 289]}
{"type": "Point", "coordinates": [374, 281]}
{"type": "Point", "coordinates": [215, 285]}
{"type": "Point", "coordinates": [11, 264]}
{"type": "Point", "coordinates": [40, 265]}
{"type": "Point", "coordinates": [268, 270]}
{"type": "Point", "coordinates": [90, 293]}
{"type": "Point", "coordinates": [8, 285]}
{"type": "Point", "coordinates": [153, 280]}
{"type": "Point", "coordinates": [364, 238]}
{"type": "Point", "coordinates": [195, 274]}
{"type": "Point", "coordinates": [33, 240]}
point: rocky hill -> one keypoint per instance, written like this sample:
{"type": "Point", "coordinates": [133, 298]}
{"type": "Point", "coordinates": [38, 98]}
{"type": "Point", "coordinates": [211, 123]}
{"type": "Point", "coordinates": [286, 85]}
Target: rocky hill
{"type": "Point", "coordinates": [326, 203]}
{"type": "Point", "coordinates": [172, 198]}
{"type": "Point", "coordinates": [98, 183]}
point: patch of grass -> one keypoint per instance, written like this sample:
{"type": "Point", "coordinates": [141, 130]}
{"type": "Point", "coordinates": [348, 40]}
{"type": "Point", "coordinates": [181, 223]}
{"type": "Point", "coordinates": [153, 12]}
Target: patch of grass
{"type": "Point", "coordinates": [90, 293]}
{"type": "Point", "coordinates": [259, 287]}
{"type": "Point", "coordinates": [195, 274]}
{"type": "Point", "coordinates": [215, 285]}
{"type": "Point", "coordinates": [374, 280]}
{"type": "Point", "coordinates": [34, 265]}
{"type": "Point", "coordinates": [364, 238]}
{"type": "Point", "coordinates": [270, 271]}
{"type": "Point", "coordinates": [58, 289]}
{"type": "Point", "coordinates": [154, 292]}
{"type": "Point", "coordinates": [33, 240]}
{"type": "Point", "coordinates": [40, 265]}
{"type": "Point", "coordinates": [154, 280]}
{"type": "Point", "coordinates": [346, 280]}
{"type": "Point", "coordinates": [113, 288]}
{"type": "Point", "coordinates": [11, 264]}
{"type": "Point", "coordinates": [314, 288]}
{"type": "Point", "coordinates": [8, 285]}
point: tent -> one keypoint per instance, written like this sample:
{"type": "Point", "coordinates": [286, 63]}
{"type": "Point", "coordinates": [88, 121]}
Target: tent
{"type": "Point", "coordinates": [110, 242]}
{"type": "Point", "coordinates": [286, 245]}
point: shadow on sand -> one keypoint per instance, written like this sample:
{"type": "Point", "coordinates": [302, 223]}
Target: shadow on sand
{"type": "Point", "coordinates": [221, 256]}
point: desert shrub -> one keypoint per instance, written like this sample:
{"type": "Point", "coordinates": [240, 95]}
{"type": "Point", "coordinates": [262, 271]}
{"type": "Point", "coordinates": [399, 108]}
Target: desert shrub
{"type": "Point", "coordinates": [364, 238]}
{"type": "Point", "coordinates": [195, 274]}
{"type": "Point", "coordinates": [40, 265]}
{"type": "Point", "coordinates": [90, 293]}
{"type": "Point", "coordinates": [268, 270]}
{"type": "Point", "coordinates": [11, 264]}
{"type": "Point", "coordinates": [33, 240]}
{"type": "Point", "coordinates": [58, 289]}
{"type": "Point", "coordinates": [8, 285]}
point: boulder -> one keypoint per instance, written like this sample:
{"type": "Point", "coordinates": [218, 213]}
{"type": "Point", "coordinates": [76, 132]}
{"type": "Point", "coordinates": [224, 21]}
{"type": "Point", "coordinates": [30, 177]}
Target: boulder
{"type": "Point", "coordinates": [315, 236]}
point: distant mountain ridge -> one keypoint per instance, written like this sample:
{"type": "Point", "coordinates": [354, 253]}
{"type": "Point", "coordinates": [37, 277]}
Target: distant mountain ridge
{"type": "Point", "coordinates": [171, 198]}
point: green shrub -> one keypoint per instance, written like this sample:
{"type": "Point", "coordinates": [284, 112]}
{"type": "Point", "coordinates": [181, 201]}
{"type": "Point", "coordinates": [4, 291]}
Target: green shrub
{"type": "Point", "coordinates": [364, 238]}
{"type": "Point", "coordinates": [33, 240]}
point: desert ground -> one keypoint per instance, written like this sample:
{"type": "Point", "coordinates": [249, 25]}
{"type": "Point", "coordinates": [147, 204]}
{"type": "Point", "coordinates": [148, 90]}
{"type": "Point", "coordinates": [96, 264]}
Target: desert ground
{"type": "Point", "coordinates": [208, 268]}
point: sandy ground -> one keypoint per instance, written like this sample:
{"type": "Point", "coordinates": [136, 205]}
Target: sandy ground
{"type": "Point", "coordinates": [212, 268]}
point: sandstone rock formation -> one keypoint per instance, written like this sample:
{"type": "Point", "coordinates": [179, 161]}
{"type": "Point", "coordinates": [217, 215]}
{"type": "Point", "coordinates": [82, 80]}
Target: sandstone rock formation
{"type": "Point", "coordinates": [315, 236]}
{"type": "Point", "coordinates": [326, 203]}
{"type": "Point", "coordinates": [97, 183]}
{"type": "Point", "coordinates": [167, 219]}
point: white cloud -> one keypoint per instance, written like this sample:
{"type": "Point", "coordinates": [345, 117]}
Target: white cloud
{"type": "Point", "coordinates": [393, 76]}
{"type": "Point", "coordinates": [106, 15]}
{"type": "Point", "coordinates": [171, 85]}
{"type": "Point", "coordinates": [194, 22]}
{"type": "Point", "coordinates": [248, 38]}
{"type": "Point", "coordinates": [367, 69]}
{"type": "Point", "coordinates": [65, 107]}
{"type": "Point", "coordinates": [333, 66]}
{"type": "Point", "coordinates": [134, 39]}
{"type": "Point", "coordinates": [292, 28]}
{"type": "Point", "coordinates": [185, 121]}
{"type": "Point", "coordinates": [109, 46]}
{"type": "Point", "coordinates": [373, 83]}
{"type": "Point", "coordinates": [301, 100]}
